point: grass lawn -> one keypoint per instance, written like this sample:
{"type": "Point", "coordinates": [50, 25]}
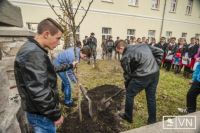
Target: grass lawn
{"type": "Point", "coordinates": [171, 91]}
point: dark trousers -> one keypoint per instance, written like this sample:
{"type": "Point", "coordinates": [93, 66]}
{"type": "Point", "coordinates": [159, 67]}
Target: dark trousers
{"type": "Point", "coordinates": [192, 94]}
{"type": "Point", "coordinates": [136, 85]}
{"type": "Point", "coordinates": [168, 65]}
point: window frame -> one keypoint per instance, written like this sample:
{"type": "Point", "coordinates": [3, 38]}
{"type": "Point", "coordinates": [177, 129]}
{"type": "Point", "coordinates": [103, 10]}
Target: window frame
{"type": "Point", "coordinates": [189, 8]}
{"type": "Point", "coordinates": [171, 6]}
{"type": "Point", "coordinates": [32, 26]}
{"type": "Point", "coordinates": [158, 4]}
{"type": "Point", "coordinates": [184, 34]}
{"type": "Point", "coordinates": [130, 35]}
{"type": "Point", "coordinates": [150, 36]}
{"type": "Point", "coordinates": [106, 35]}
{"type": "Point", "coordinates": [168, 34]}
{"type": "Point", "coordinates": [132, 3]}
{"type": "Point", "coordinates": [197, 35]}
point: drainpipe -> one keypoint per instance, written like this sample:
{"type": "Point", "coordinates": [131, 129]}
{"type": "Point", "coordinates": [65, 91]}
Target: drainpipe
{"type": "Point", "coordinates": [163, 16]}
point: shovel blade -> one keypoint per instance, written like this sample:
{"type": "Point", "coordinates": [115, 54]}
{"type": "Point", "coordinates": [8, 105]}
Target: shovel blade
{"type": "Point", "coordinates": [103, 104]}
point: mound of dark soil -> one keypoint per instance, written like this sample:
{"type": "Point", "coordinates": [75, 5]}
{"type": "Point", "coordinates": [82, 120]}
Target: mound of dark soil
{"type": "Point", "coordinates": [105, 121]}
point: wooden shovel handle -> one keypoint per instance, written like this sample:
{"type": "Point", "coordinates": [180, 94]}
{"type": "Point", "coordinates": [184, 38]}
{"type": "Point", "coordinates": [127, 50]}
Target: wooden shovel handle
{"type": "Point", "coordinates": [114, 95]}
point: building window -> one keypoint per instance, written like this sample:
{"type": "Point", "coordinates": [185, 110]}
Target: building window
{"type": "Point", "coordinates": [151, 34]}
{"type": "Point", "coordinates": [184, 35]}
{"type": "Point", "coordinates": [197, 35]}
{"type": "Point", "coordinates": [173, 5]}
{"type": "Point", "coordinates": [155, 4]}
{"type": "Point", "coordinates": [106, 32]}
{"type": "Point", "coordinates": [189, 7]}
{"type": "Point", "coordinates": [110, 1]}
{"type": "Point", "coordinates": [168, 34]}
{"type": "Point", "coordinates": [133, 2]}
{"type": "Point", "coordinates": [32, 26]}
{"type": "Point", "coordinates": [130, 33]}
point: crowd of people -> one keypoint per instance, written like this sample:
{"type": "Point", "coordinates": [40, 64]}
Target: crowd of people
{"type": "Point", "coordinates": [177, 55]}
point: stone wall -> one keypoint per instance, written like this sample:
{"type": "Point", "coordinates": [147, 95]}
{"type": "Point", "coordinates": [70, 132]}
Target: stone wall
{"type": "Point", "coordinates": [12, 117]}
{"type": "Point", "coordinates": [9, 104]}
{"type": "Point", "coordinates": [10, 45]}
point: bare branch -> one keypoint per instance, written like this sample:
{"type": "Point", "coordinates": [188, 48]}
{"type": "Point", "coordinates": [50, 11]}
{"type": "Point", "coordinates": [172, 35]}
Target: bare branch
{"type": "Point", "coordinates": [59, 16]}
{"type": "Point", "coordinates": [79, 3]}
{"type": "Point", "coordinates": [90, 3]}
{"type": "Point", "coordinates": [67, 7]}
{"type": "Point", "coordinates": [70, 7]}
{"type": "Point", "coordinates": [62, 7]}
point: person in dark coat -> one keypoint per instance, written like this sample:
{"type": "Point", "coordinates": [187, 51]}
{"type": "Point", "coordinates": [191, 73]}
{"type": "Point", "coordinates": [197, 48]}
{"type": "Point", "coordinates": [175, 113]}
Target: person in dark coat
{"type": "Point", "coordinates": [141, 71]}
{"type": "Point", "coordinates": [85, 41]}
{"type": "Point", "coordinates": [92, 43]}
{"type": "Point", "coordinates": [36, 78]}
{"type": "Point", "coordinates": [162, 45]}
{"type": "Point", "coordinates": [170, 51]}
{"type": "Point", "coordinates": [103, 47]}
{"type": "Point", "coordinates": [188, 57]}
{"type": "Point", "coordinates": [109, 47]}
{"type": "Point", "coordinates": [117, 55]}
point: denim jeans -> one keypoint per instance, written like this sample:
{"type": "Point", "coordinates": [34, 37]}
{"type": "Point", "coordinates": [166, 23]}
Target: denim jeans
{"type": "Point", "coordinates": [66, 87]}
{"type": "Point", "coordinates": [192, 94]}
{"type": "Point", "coordinates": [41, 124]}
{"type": "Point", "coordinates": [136, 85]}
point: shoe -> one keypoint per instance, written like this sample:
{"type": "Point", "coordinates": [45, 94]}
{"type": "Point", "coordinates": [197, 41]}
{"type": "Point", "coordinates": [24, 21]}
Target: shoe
{"type": "Point", "coordinates": [181, 110]}
{"type": "Point", "coordinates": [123, 116]}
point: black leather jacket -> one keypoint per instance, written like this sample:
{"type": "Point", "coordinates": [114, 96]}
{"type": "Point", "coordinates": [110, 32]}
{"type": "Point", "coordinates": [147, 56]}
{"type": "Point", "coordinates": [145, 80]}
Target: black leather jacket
{"type": "Point", "coordinates": [37, 81]}
{"type": "Point", "coordinates": [140, 60]}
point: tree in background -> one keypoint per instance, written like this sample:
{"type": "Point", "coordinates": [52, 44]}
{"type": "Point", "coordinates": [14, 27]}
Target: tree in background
{"type": "Point", "coordinates": [68, 17]}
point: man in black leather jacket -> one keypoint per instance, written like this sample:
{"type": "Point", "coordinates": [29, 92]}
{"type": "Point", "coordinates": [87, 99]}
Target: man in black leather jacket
{"type": "Point", "coordinates": [141, 71]}
{"type": "Point", "coordinates": [36, 78]}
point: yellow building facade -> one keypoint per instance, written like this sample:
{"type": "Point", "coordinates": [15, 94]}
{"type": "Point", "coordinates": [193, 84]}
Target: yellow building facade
{"type": "Point", "coordinates": [126, 18]}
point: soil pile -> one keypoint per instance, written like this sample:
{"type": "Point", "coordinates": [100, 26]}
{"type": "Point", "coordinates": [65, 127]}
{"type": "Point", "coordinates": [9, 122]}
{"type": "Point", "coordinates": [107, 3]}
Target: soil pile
{"type": "Point", "coordinates": [105, 121]}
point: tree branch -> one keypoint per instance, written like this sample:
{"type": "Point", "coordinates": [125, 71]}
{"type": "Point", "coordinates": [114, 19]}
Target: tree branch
{"type": "Point", "coordinates": [79, 3]}
{"type": "Point", "coordinates": [90, 3]}
{"type": "Point", "coordinates": [59, 16]}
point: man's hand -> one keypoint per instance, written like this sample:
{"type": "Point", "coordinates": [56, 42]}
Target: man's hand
{"type": "Point", "coordinates": [59, 121]}
{"type": "Point", "coordinates": [74, 63]}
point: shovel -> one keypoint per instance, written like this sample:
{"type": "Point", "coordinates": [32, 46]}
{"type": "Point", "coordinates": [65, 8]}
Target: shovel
{"type": "Point", "coordinates": [105, 103]}
{"type": "Point", "coordinates": [84, 92]}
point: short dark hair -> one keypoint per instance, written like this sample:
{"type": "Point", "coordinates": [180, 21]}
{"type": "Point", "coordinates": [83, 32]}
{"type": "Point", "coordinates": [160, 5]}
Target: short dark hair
{"type": "Point", "coordinates": [121, 43]}
{"type": "Point", "coordinates": [173, 38]}
{"type": "Point", "coordinates": [49, 24]}
{"type": "Point", "coordinates": [162, 37]}
{"type": "Point", "coordinates": [86, 50]}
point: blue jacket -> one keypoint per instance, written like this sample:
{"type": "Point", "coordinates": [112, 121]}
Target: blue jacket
{"type": "Point", "coordinates": [66, 57]}
{"type": "Point", "coordinates": [196, 74]}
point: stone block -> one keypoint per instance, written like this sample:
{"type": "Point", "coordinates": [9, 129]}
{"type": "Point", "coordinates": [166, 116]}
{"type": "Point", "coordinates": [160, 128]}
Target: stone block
{"type": "Point", "coordinates": [4, 88]}
{"type": "Point", "coordinates": [6, 39]}
{"type": "Point", "coordinates": [23, 39]}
